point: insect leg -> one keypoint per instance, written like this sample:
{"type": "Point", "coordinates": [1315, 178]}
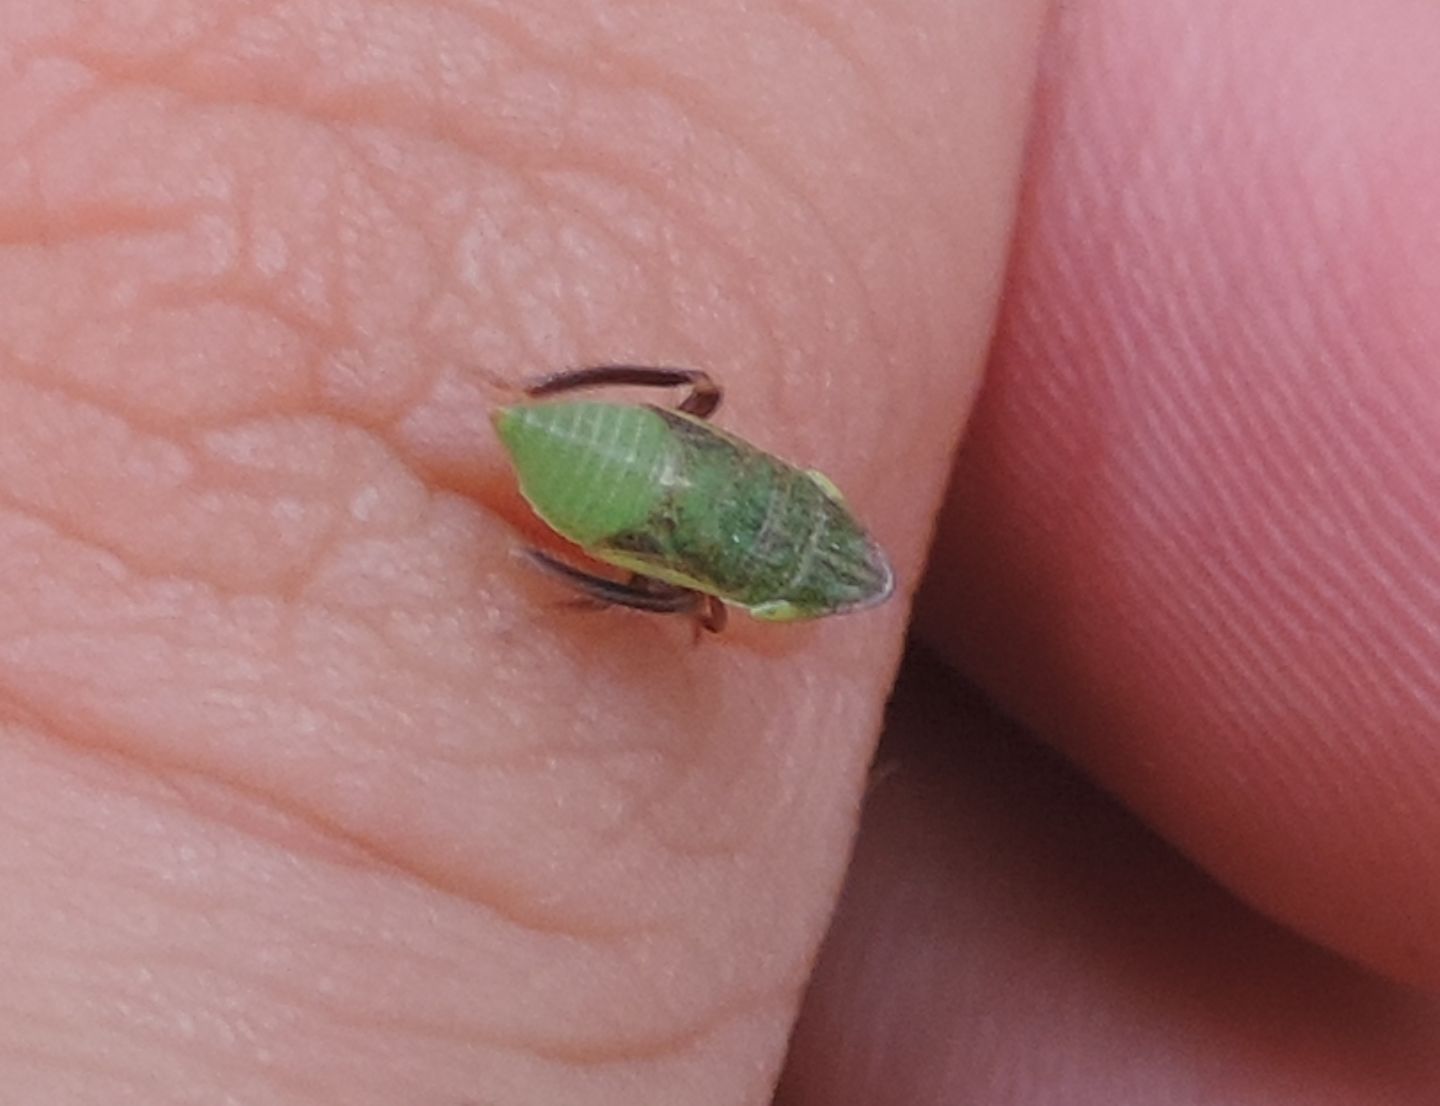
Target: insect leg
{"type": "Point", "coordinates": [702, 401]}
{"type": "Point", "coordinates": [708, 614]}
{"type": "Point", "coordinates": [642, 593]}
{"type": "Point", "coordinates": [711, 615]}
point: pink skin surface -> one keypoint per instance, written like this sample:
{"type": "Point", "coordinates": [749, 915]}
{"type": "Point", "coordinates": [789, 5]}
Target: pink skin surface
{"type": "Point", "coordinates": [1193, 543]}
{"type": "Point", "coordinates": [310, 792]}
{"type": "Point", "coordinates": [1202, 489]}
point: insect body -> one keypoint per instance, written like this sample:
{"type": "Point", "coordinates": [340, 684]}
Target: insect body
{"type": "Point", "coordinates": [695, 514]}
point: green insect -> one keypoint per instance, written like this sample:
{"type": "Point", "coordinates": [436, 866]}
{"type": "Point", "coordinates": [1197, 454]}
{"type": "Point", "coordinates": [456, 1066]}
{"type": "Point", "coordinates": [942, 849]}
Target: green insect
{"type": "Point", "coordinates": [698, 517]}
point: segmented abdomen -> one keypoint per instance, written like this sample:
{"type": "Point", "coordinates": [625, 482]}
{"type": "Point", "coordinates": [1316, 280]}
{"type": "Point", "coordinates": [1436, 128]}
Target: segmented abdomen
{"type": "Point", "coordinates": [752, 529]}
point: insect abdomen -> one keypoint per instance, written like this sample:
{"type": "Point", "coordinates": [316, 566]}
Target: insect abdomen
{"type": "Point", "coordinates": [750, 528]}
{"type": "Point", "coordinates": [590, 470]}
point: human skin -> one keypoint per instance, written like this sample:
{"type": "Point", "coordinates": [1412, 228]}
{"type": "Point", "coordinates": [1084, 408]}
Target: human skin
{"type": "Point", "coordinates": [312, 793]}
{"type": "Point", "coordinates": [1191, 544]}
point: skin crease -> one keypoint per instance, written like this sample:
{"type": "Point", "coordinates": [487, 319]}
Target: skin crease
{"type": "Point", "coordinates": [310, 793]}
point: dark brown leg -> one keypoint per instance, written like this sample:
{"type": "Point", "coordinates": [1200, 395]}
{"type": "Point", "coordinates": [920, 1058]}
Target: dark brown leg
{"type": "Point", "coordinates": [641, 593]}
{"type": "Point", "coordinates": [702, 401]}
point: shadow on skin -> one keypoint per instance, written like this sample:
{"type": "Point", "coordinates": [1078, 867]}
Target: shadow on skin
{"type": "Point", "coordinates": [1008, 933]}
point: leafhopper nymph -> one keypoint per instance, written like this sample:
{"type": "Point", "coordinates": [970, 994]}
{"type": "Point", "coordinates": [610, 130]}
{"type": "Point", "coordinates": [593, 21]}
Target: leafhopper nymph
{"type": "Point", "coordinates": [698, 517]}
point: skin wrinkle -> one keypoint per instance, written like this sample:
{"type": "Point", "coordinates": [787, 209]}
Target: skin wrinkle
{"type": "Point", "coordinates": [493, 900]}
{"type": "Point", "coordinates": [686, 1037]}
{"type": "Point", "coordinates": [684, 1040]}
{"type": "Point", "coordinates": [1284, 581]}
{"type": "Point", "coordinates": [291, 609]}
{"type": "Point", "coordinates": [728, 844]}
{"type": "Point", "coordinates": [640, 1048]}
{"type": "Point", "coordinates": [1166, 597]}
{"type": "Point", "coordinates": [66, 389]}
{"type": "Point", "coordinates": [815, 17]}
{"type": "Point", "coordinates": [58, 526]}
{"type": "Point", "coordinates": [157, 297]}
{"type": "Point", "coordinates": [656, 79]}
{"type": "Point", "coordinates": [177, 789]}
{"type": "Point", "coordinates": [299, 999]}
{"type": "Point", "coordinates": [236, 456]}
{"type": "Point", "coordinates": [60, 154]}
{"type": "Point", "coordinates": [492, 897]}
{"type": "Point", "coordinates": [301, 580]}
{"type": "Point", "coordinates": [70, 389]}
{"type": "Point", "coordinates": [330, 262]}
{"type": "Point", "coordinates": [693, 218]}
{"type": "Point", "coordinates": [324, 115]}
{"type": "Point", "coordinates": [1278, 584]}
{"type": "Point", "coordinates": [174, 428]}
{"type": "Point", "coordinates": [380, 179]}
{"type": "Point", "coordinates": [421, 288]}
{"type": "Point", "coordinates": [61, 112]}
{"type": "Point", "coordinates": [316, 325]}
{"type": "Point", "coordinates": [79, 226]}
{"type": "Point", "coordinates": [313, 334]}
{"type": "Point", "coordinates": [717, 249]}
{"type": "Point", "coordinates": [641, 820]}
{"type": "Point", "coordinates": [572, 212]}
{"type": "Point", "coordinates": [165, 772]}
{"type": "Point", "coordinates": [718, 246]}
{"type": "Point", "coordinates": [688, 96]}
{"type": "Point", "coordinates": [1338, 477]}
{"type": "Point", "coordinates": [833, 34]}
{"type": "Point", "coordinates": [143, 565]}
{"type": "Point", "coordinates": [1275, 586]}
{"type": "Point", "coordinates": [680, 218]}
{"type": "Point", "coordinates": [1282, 572]}
{"type": "Point", "coordinates": [692, 222]}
